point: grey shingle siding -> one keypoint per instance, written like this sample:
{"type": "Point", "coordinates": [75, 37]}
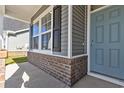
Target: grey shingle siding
{"type": "Point", "coordinates": [64, 31]}
{"type": "Point", "coordinates": [14, 25]}
{"type": "Point", "coordinates": [78, 29]}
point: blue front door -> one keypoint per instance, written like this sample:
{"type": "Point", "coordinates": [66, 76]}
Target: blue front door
{"type": "Point", "coordinates": [107, 42]}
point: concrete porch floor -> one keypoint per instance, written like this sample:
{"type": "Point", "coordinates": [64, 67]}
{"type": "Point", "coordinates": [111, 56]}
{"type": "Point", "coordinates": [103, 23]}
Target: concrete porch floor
{"type": "Point", "coordinates": [26, 75]}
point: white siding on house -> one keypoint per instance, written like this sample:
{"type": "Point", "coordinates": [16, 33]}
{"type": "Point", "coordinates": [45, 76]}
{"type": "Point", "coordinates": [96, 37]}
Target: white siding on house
{"type": "Point", "coordinates": [0, 42]}
{"type": "Point", "coordinates": [11, 42]}
{"type": "Point", "coordinates": [18, 42]}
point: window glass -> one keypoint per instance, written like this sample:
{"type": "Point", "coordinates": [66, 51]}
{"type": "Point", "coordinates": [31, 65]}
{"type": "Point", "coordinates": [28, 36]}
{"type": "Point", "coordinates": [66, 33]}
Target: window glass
{"type": "Point", "coordinates": [46, 41]}
{"type": "Point", "coordinates": [35, 42]}
{"type": "Point", "coordinates": [36, 28]}
{"type": "Point", "coordinates": [46, 23]}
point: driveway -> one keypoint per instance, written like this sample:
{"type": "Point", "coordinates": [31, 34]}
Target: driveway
{"type": "Point", "coordinates": [26, 75]}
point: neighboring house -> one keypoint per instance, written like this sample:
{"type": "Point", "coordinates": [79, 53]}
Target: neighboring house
{"type": "Point", "coordinates": [17, 43]}
{"type": "Point", "coordinates": [16, 36]}
{"type": "Point", "coordinates": [1, 42]}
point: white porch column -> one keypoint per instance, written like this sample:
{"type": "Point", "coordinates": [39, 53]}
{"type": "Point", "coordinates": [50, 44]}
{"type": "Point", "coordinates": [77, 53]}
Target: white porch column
{"type": "Point", "coordinates": [2, 61]}
{"type": "Point", "coordinates": [2, 12]}
{"type": "Point", "coordinates": [70, 31]}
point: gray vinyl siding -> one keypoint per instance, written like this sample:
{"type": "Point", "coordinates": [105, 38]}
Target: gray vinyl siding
{"type": "Point", "coordinates": [14, 25]}
{"type": "Point", "coordinates": [64, 31]}
{"type": "Point", "coordinates": [78, 30]}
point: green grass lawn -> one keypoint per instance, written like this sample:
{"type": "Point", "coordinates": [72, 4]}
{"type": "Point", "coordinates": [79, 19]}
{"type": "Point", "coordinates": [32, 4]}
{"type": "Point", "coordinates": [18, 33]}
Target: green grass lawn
{"type": "Point", "coordinates": [16, 59]}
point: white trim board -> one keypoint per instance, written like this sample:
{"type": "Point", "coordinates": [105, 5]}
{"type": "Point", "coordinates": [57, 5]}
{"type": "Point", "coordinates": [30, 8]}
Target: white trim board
{"type": "Point", "coordinates": [18, 31]}
{"type": "Point", "coordinates": [46, 52]}
{"type": "Point", "coordinates": [70, 31]}
{"type": "Point", "coordinates": [106, 78]}
{"type": "Point", "coordinates": [78, 56]}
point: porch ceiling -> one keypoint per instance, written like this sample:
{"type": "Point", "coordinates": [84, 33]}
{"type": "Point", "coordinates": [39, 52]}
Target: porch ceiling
{"type": "Point", "coordinates": [22, 12]}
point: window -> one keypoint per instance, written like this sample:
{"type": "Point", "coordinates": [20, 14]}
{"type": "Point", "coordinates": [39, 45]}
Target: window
{"type": "Point", "coordinates": [46, 32]}
{"type": "Point", "coordinates": [36, 29]}
{"type": "Point", "coordinates": [42, 31]}
{"type": "Point", "coordinates": [35, 40]}
{"type": "Point", "coordinates": [35, 35]}
{"type": "Point", "coordinates": [46, 41]}
{"type": "Point", "coordinates": [46, 22]}
{"type": "Point", "coordinates": [57, 29]}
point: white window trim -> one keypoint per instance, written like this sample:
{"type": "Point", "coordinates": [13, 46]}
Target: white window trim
{"type": "Point", "coordinates": [48, 53]}
{"type": "Point", "coordinates": [39, 35]}
{"type": "Point", "coordinates": [46, 32]}
{"type": "Point", "coordinates": [52, 29]}
{"type": "Point", "coordinates": [42, 33]}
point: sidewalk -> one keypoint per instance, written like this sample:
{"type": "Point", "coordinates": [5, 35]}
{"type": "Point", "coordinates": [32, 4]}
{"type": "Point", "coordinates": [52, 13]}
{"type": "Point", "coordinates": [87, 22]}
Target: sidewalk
{"type": "Point", "coordinates": [26, 75]}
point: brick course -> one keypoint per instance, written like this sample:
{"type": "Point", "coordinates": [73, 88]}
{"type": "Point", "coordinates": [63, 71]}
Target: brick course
{"type": "Point", "coordinates": [17, 53]}
{"type": "Point", "coordinates": [67, 70]}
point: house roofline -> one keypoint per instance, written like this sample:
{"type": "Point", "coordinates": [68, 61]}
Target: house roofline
{"type": "Point", "coordinates": [16, 32]}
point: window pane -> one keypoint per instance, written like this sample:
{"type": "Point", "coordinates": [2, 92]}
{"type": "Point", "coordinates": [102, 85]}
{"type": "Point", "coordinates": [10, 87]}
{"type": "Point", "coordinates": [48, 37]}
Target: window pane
{"type": "Point", "coordinates": [44, 28]}
{"type": "Point", "coordinates": [36, 28]}
{"type": "Point", "coordinates": [46, 41]}
{"type": "Point", "coordinates": [36, 42]}
{"type": "Point", "coordinates": [46, 23]}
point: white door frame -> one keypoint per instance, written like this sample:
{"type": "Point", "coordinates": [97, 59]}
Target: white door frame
{"type": "Point", "coordinates": [106, 78]}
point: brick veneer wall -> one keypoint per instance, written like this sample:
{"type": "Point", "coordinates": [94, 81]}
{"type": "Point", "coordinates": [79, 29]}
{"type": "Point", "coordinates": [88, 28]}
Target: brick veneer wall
{"type": "Point", "coordinates": [67, 70]}
{"type": "Point", "coordinates": [2, 72]}
{"type": "Point", "coordinates": [17, 53]}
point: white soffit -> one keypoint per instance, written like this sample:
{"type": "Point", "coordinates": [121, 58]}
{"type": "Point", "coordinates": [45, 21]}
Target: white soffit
{"type": "Point", "coordinates": [22, 12]}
